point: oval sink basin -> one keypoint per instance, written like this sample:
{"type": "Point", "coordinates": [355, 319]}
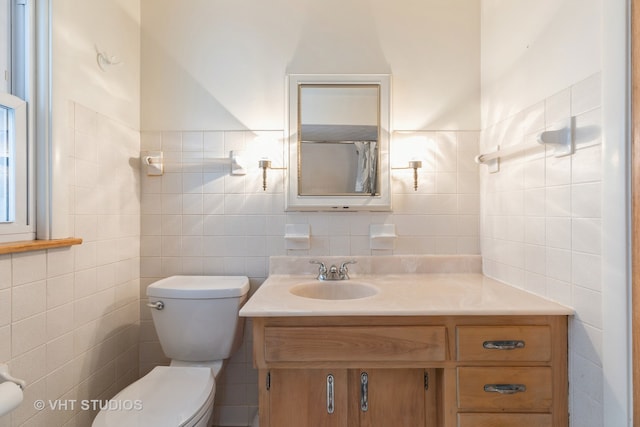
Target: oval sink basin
{"type": "Point", "coordinates": [339, 290]}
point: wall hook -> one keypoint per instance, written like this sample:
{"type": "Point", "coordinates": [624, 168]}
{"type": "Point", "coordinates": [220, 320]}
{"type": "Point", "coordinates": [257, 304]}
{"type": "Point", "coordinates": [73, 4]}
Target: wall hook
{"type": "Point", "coordinates": [105, 60]}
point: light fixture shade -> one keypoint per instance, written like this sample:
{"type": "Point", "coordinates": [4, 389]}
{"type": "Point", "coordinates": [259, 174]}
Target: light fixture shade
{"type": "Point", "coordinates": [264, 164]}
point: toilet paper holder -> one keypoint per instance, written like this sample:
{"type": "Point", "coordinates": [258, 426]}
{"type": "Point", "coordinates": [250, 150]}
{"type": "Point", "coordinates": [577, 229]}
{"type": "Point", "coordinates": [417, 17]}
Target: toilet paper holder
{"type": "Point", "coordinates": [5, 376]}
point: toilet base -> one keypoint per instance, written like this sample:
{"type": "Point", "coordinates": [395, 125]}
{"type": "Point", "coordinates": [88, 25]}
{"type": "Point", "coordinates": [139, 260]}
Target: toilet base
{"type": "Point", "coordinates": [171, 397]}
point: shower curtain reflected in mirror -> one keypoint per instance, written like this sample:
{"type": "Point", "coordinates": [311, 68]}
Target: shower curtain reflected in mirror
{"type": "Point", "coordinates": [366, 168]}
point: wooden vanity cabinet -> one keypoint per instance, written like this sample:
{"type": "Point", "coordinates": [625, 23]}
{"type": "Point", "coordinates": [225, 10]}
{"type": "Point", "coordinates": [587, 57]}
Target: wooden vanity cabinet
{"type": "Point", "coordinates": [441, 371]}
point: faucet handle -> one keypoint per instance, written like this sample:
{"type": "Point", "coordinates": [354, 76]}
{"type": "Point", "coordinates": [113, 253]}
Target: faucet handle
{"type": "Point", "coordinates": [322, 270]}
{"type": "Point", "coordinates": [344, 270]}
{"type": "Point", "coordinates": [344, 264]}
{"type": "Point", "coordinates": [320, 263]}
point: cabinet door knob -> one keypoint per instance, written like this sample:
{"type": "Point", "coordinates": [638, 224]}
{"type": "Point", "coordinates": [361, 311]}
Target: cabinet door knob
{"type": "Point", "coordinates": [503, 345]}
{"type": "Point", "coordinates": [330, 395]}
{"type": "Point", "coordinates": [364, 392]}
{"type": "Point", "coordinates": [505, 388]}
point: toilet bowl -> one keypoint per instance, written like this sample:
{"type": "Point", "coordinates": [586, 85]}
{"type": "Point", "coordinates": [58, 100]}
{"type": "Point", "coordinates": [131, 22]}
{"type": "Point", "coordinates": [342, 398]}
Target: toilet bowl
{"type": "Point", "coordinates": [198, 326]}
{"type": "Point", "coordinates": [166, 396]}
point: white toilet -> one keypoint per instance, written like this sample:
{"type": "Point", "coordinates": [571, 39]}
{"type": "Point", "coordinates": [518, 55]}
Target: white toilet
{"type": "Point", "coordinates": [197, 321]}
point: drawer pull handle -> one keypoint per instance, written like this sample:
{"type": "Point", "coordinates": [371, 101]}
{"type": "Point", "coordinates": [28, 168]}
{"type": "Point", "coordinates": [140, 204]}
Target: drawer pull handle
{"type": "Point", "coordinates": [505, 388]}
{"type": "Point", "coordinates": [330, 395]}
{"type": "Point", "coordinates": [503, 345]}
{"type": "Point", "coordinates": [364, 392]}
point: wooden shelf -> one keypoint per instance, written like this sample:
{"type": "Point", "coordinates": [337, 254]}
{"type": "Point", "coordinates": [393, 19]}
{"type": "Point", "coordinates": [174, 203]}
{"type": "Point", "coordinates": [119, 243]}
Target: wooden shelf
{"type": "Point", "coordinates": [37, 245]}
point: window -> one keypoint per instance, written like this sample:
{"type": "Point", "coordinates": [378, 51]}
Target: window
{"type": "Point", "coordinates": [16, 153]}
{"type": "Point", "coordinates": [13, 153]}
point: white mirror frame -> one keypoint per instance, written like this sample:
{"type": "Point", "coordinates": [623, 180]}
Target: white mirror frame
{"type": "Point", "coordinates": [342, 203]}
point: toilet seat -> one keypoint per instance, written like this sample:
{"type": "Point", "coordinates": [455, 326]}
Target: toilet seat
{"type": "Point", "coordinates": [170, 396]}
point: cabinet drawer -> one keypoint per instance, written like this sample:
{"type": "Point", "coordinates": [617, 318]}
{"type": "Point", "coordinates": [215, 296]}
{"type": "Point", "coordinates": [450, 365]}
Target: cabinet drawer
{"type": "Point", "coordinates": [512, 389]}
{"type": "Point", "coordinates": [354, 343]}
{"type": "Point", "coordinates": [504, 420]}
{"type": "Point", "coordinates": [504, 343]}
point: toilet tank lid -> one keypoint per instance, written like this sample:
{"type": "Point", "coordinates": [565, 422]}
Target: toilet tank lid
{"type": "Point", "coordinates": [194, 287]}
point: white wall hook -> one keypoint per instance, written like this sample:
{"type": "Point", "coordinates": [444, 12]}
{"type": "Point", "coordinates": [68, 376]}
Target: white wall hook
{"type": "Point", "coordinates": [105, 60]}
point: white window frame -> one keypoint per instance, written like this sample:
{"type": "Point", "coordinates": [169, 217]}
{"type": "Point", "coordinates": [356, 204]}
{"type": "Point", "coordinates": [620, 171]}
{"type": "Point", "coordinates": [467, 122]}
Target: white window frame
{"type": "Point", "coordinates": [22, 176]}
{"type": "Point", "coordinates": [32, 83]}
{"type": "Point", "coordinates": [5, 52]}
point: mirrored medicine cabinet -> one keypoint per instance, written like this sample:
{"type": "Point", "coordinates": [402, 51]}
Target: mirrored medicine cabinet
{"type": "Point", "coordinates": [338, 140]}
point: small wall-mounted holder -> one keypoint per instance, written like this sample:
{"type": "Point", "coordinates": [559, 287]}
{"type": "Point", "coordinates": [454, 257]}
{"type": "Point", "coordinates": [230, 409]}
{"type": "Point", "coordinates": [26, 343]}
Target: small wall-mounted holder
{"type": "Point", "coordinates": [382, 236]}
{"type": "Point", "coordinates": [237, 163]}
{"type": "Point", "coordinates": [11, 391]}
{"type": "Point", "coordinates": [154, 162]}
{"type": "Point", "coordinates": [297, 236]}
{"type": "Point", "coordinates": [560, 139]}
{"type": "Point", "coordinates": [265, 164]}
{"type": "Point", "coordinates": [415, 165]}
{"type": "Point", "coordinates": [105, 60]}
{"type": "Point", "coordinates": [5, 376]}
{"type": "Point", "coordinates": [493, 165]}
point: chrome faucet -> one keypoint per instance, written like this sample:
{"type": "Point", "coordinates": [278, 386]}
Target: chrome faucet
{"type": "Point", "coordinates": [333, 272]}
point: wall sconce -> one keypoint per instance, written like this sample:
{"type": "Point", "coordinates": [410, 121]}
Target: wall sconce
{"type": "Point", "coordinates": [415, 165]}
{"type": "Point", "coordinates": [265, 164]}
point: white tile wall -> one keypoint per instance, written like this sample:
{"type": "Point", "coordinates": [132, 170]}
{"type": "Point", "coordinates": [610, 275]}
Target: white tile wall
{"type": "Point", "coordinates": [69, 317]}
{"type": "Point", "coordinates": [198, 219]}
{"type": "Point", "coordinates": [541, 228]}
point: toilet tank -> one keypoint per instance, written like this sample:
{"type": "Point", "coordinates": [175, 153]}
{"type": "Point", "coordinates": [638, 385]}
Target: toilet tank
{"type": "Point", "coordinates": [199, 319]}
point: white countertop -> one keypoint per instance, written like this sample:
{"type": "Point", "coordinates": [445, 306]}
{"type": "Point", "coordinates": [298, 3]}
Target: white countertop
{"type": "Point", "coordinates": [434, 294]}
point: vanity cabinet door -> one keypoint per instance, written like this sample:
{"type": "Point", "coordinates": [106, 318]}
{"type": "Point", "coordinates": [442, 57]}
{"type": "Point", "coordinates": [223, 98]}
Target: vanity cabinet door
{"type": "Point", "coordinates": [394, 397]}
{"type": "Point", "coordinates": [355, 398]}
{"type": "Point", "coordinates": [308, 397]}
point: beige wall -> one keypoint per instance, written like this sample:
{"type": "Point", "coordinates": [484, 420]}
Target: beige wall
{"type": "Point", "coordinates": [80, 30]}
{"type": "Point", "coordinates": [69, 318]}
{"type": "Point", "coordinates": [532, 50]}
{"type": "Point", "coordinates": [219, 65]}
